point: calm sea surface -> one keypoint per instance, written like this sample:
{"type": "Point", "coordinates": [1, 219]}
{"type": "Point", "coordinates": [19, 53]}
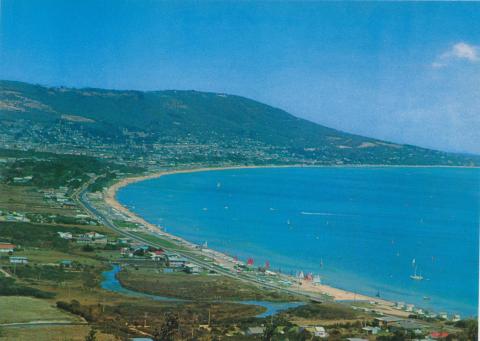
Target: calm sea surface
{"type": "Point", "coordinates": [361, 229]}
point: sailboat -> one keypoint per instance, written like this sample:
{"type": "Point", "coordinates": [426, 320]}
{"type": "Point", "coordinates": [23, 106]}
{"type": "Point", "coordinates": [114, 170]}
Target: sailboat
{"type": "Point", "coordinates": [415, 277]}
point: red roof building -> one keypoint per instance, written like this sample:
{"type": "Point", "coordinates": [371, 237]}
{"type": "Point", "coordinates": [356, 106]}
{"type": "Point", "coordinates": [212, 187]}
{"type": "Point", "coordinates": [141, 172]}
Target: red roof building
{"type": "Point", "coordinates": [438, 335]}
{"type": "Point", "coordinates": [7, 247]}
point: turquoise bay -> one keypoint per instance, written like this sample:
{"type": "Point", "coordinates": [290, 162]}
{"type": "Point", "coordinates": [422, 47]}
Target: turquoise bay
{"type": "Point", "coordinates": [359, 228]}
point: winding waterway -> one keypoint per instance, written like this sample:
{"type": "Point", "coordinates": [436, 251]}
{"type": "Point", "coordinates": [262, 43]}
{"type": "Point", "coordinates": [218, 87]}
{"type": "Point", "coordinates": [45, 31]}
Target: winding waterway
{"type": "Point", "coordinates": [111, 283]}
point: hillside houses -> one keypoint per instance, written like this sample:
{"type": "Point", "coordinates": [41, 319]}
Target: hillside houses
{"type": "Point", "coordinates": [85, 238]}
{"type": "Point", "coordinates": [169, 260]}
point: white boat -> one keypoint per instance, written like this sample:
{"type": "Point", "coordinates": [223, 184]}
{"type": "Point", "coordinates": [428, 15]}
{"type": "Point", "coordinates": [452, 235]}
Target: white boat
{"type": "Point", "coordinates": [415, 277]}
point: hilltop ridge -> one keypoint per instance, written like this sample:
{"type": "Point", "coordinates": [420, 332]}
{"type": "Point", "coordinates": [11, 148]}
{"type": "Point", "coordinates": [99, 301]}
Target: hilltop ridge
{"type": "Point", "coordinates": [237, 128]}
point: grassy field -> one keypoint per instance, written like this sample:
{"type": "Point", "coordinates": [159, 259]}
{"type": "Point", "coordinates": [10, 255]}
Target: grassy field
{"type": "Point", "coordinates": [198, 287]}
{"type": "Point", "coordinates": [51, 333]}
{"type": "Point", "coordinates": [28, 199]}
{"type": "Point", "coordinates": [125, 224]}
{"type": "Point", "coordinates": [159, 241]}
{"type": "Point", "coordinates": [15, 309]}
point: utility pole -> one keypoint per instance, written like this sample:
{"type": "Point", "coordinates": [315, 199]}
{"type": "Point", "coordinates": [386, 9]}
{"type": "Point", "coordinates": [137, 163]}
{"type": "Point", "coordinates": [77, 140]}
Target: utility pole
{"type": "Point", "coordinates": [145, 315]}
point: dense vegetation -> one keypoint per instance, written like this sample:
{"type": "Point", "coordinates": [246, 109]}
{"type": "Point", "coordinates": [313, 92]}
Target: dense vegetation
{"type": "Point", "coordinates": [199, 288]}
{"type": "Point", "coordinates": [150, 117]}
{"type": "Point", "coordinates": [31, 235]}
{"type": "Point", "coordinates": [55, 170]}
{"type": "Point", "coordinates": [9, 287]}
{"type": "Point", "coordinates": [323, 311]}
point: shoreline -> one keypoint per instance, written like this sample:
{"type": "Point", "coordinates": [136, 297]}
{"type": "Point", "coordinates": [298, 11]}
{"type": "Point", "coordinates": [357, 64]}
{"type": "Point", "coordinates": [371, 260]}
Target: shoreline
{"type": "Point", "coordinates": [301, 285]}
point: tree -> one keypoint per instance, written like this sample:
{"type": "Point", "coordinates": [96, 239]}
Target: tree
{"type": "Point", "coordinates": [91, 335]}
{"type": "Point", "coordinates": [270, 327]}
{"type": "Point", "coordinates": [87, 248]}
{"type": "Point", "coordinates": [471, 329]}
{"type": "Point", "coordinates": [168, 329]}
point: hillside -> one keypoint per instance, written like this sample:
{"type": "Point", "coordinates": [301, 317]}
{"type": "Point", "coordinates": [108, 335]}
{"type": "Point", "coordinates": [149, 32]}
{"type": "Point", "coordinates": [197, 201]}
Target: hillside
{"type": "Point", "coordinates": [159, 118]}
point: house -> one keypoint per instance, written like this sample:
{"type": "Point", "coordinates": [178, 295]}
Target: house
{"type": "Point", "coordinates": [18, 260]}
{"type": "Point", "coordinates": [320, 332]}
{"type": "Point", "coordinates": [123, 240]}
{"type": "Point", "coordinates": [68, 204]}
{"type": "Point", "coordinates": [409, 307]}
{"type": "Point", "coordinates": [82, 239]}
{"type": "Point", "coordinates": [438, 335]}
{"type": "Point", "coordinates": [443, 315]}
{"type": "Point", "coordinates": [157, 255]}
{"type": "Point", "coordinates": [456, 318]}
{"type": "Point", "coordinates": [254, 331]}
{"type": "Point", "coordinates": [65, 235]}
{"type": "Point", "coordinates": [419, 311]}
{"type": "Point", "coordinates": [22, 180]}
{"type": "Point", "coordinates": [66, 263]}
{"type": "Point", "coordinates": [91, 238]}
{"type": "Point", "coordinates": [175, 261]}
{"type": "Point", "coordinates": [7, 248]}
{"type": "Point", "coordinates": [411, 325]}
{"type": "Point", "coordinates": [94, 235]}
{"type": "Point", "coordinates": [371, 330]}
{"type": "Point", "coordinates": [192, 268]}
{"type": "Point", "coordinates": [386, 321]}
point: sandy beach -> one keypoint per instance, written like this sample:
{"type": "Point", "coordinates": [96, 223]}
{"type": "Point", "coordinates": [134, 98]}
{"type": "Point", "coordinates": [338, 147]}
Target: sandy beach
{"type": "Point", "coordinates": [306, 286]}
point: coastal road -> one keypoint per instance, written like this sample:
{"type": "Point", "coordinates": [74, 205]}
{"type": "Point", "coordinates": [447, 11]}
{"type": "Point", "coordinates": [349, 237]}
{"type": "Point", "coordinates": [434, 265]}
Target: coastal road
{"type": "Point", "coordinates": [81, 197]}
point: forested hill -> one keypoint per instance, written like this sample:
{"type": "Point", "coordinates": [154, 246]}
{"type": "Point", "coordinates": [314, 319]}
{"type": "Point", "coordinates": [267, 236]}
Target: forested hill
{"type": "Point", "coordinates": [166, 117]}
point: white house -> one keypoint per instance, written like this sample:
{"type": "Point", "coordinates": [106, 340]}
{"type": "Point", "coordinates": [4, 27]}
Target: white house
{"type": "Point", "coordinates": [18, 260]}
{"type": "Point", "coordinates": [320, 332]}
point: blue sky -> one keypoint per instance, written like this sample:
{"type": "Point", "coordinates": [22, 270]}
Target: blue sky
{"type": "Point", "coordinates": [405, 72]}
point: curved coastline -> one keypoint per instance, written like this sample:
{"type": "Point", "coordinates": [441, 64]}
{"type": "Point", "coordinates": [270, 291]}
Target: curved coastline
{"type": "Point", "coordinates": [306, 286]}
{"type": "Point", "coordinates": [336, 293]}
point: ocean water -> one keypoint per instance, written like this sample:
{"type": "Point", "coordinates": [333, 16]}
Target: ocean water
{"type": "Point", "coordinates": [361, 229]}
